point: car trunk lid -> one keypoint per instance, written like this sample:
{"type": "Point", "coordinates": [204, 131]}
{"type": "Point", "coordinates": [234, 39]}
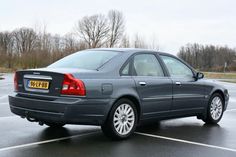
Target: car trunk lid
{"type": "Point", "coordinates": [39, 82]}
{"type": "Point", "coordinates": [53, 76]}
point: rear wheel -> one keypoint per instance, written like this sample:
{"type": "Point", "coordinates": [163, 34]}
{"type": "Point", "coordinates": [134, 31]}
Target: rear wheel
{"type": "Point", "coordinates": [54, 125]}
{"type": "Point", "coordinates": [215, 109]}
{"type": "Point", "coordinates": [121, 121]}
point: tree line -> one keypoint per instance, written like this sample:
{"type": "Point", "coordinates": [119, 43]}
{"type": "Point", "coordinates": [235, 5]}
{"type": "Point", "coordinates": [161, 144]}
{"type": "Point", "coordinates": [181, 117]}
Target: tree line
{"type": "Point", "coordinates": [31, 48]}
{"type": "Point", "coordinates": [209, 57]}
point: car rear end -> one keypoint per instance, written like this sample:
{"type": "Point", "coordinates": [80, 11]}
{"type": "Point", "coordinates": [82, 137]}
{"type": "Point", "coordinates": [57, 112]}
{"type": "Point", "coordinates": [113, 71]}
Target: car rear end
{"type": "Point", "coordinates": [46, 96]}
{"type": "Point", "coordinates": [62, 93]}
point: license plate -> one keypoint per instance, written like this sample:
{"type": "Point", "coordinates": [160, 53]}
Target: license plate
{"type": "Point", "coordinates": [38, 84]}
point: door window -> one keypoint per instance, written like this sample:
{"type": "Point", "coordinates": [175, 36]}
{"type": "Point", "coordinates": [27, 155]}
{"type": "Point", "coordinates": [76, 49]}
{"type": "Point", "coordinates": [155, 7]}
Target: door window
{"type": "Point", "coordinates": [147, 65]}
{"type": "Point", "coordinates": [176, 68]}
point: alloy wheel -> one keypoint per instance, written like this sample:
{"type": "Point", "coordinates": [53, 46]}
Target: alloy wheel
{"type": "Point", "coordinates": [216, 108]}
{"type": "Point", "coordinates": [123, 119]}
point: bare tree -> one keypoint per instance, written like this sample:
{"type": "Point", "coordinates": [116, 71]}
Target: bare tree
{"type": "Point", "coordinates": [125, 43]}
{"type": "Point", "coordinates": [70, 44]}
{"type": "Point", "coordinates": [27, 48]}
{"type": "Point", "coordinates": [25, 39]}
{"type": "Point", "coordinates": [25, 43]}
{"type": "Point", "coordinates": [31, 48]}
{"type": "Point", "coordinates": [116, 24]}
{"type": "Point", "coordinates": [139, 42]}
{"type": "Point", "coordinates": [93, 30]}
{"type": "Point", "coordinates": [153, 43]}
{"type": "Point", "coordinates": [6, 48]}
{"type": "Point", "coordinates": [208, 57]}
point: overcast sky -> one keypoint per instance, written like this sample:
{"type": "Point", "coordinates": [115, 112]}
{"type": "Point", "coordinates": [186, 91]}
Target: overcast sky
{"type": "Point", "coordinates": [172, 23]}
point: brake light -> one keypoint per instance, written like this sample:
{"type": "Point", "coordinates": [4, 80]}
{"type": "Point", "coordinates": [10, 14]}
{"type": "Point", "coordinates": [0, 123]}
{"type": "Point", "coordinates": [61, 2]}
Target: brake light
{"type": "Point", "coordinates": [15, 82]}
{"type": "Point", "coordinates": [72, 86]}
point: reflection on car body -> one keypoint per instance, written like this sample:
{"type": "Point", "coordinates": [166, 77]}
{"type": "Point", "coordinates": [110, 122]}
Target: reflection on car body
{"type": "Point", "coordinates": [116, 89]}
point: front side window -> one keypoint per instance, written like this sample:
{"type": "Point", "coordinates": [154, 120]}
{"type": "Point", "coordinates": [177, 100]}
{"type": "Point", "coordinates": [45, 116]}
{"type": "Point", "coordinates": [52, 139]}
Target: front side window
{"type": "Point", "coordinates": [147, 65]}
{"type": "Point", "coordinates": [176, 68]}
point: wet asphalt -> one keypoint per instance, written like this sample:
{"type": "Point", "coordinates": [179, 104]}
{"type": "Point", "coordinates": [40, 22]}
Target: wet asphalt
{"type": "Point", "coordinates": [185, 137]}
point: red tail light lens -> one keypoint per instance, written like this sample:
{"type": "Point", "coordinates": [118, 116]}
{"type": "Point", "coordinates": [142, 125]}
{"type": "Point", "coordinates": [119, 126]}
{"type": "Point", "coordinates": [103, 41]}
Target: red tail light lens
{"type": "Point", "coordinates": [72, 86]}
{"type": "Point", "coordinates": [15, 82]}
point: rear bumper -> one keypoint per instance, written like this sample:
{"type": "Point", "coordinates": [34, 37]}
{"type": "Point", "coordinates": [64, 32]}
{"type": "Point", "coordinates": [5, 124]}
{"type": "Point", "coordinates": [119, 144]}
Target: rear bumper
{"type": "Point", "coordinates": [61, 109]}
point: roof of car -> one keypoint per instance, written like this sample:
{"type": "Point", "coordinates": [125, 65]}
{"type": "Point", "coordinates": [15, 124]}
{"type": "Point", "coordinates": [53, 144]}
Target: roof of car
{"type": "Point", "coordinates": [128, 50]}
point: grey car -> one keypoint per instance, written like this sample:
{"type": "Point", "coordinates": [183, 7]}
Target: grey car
{"type": "Point", "coordinates": [116, 89]}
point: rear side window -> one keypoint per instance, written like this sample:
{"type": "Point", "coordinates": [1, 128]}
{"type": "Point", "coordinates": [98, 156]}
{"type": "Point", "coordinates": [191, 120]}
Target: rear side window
{"type": "Point", "coordinates": [147, 65]}
{"type": "Point", "coordinates": [126, 70]}
{"type": "Point", "coordinates": [176, 68]}
{"type": "Point", "coordinates": [90, 60]}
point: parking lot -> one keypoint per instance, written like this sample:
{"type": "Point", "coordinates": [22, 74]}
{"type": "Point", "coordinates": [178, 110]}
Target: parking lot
{"type": "Point", "coordinates": [186, 137]}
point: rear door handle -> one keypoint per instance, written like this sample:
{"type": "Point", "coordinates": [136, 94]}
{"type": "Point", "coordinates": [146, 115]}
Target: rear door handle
{"type": "Point", "coordinates": [142, 83]}
{"type": "Point", "coordinates": [178, 83]}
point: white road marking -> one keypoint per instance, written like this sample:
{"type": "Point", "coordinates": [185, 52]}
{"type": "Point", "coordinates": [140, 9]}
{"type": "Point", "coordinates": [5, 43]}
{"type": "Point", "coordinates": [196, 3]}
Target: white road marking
{"type": "Point", "coordinates": [2, 97]}
{"type": "Point", "coordinates": [186, 141]}
{"type": "Point", "coordinates": [4, 103]}
{"type": "Point", "coordinates": [232, 100]}
{"type": "Point", "coordinates": [7, 85]}
{"type": "Point", "coordinates": [8, 117]}
{"type": "Point", "coordinates": [229, 110]}
{"type": "Point", "coordinates": [44, 142]}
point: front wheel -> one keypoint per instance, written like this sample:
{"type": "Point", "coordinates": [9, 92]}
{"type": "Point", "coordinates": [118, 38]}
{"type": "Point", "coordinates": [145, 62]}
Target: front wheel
{"type": "Point", "coordinates": [215, 109]}
{"type": "Point", "coordinates": [121, 121]}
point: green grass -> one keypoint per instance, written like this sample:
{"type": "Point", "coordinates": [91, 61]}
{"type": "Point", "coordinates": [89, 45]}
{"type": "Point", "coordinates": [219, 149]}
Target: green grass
{"type": "Point", "coordinates": [224, 77]}
{"type": "Point", "coordinates": [230, 81]}
{"type": "Point", "coordinates": [218, 75]}
{"type": "Point", "coordinates": [6, 70]}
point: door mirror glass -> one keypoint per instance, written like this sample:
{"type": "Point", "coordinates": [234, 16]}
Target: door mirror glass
{"type": "Point", "coordinates": [199, 75]}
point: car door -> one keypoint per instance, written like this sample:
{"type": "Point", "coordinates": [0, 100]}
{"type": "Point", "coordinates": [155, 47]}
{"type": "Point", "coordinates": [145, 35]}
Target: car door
{"type": "Point", "coordinates": [188, 93]}
{"type": "Point", "coordinates": [154, 88]}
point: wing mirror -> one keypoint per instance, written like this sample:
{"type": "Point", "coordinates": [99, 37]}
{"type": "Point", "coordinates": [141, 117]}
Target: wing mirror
{"type": "Point", "coordinates": [199, 75]}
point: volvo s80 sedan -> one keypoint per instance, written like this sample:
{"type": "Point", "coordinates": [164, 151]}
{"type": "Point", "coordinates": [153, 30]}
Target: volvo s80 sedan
{"type": "Point", "coordinates": [116, 89]}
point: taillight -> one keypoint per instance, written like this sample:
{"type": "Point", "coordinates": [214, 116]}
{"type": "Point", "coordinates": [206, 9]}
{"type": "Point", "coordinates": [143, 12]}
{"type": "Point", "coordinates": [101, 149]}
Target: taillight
{"type": "Point", "coordinates": [72, 86]}
{"type": "Point", "coordinates": [15, 82]}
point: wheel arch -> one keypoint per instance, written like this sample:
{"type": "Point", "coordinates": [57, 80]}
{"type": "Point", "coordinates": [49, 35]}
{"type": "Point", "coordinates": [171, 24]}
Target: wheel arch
{"type": "Point", "coordinates": [222, 95]}
{"type": "Point", "coordinates": [216, 90]}
{"type": "Point", "coordinates": [219, 92]}
{"type": "Point", "coordinates": [132, 98]}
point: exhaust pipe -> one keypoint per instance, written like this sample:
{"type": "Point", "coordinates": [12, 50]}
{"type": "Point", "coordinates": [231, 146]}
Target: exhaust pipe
{"type": "Point", "coordinates": [34, 120]}
{"type": "Point", "coordinates": [41, 123]}
{"type": "Point", "coordinates": [31, 119]}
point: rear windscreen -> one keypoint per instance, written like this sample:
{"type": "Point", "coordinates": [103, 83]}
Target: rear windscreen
{"type": "Point", "coordinates": [90, 60]}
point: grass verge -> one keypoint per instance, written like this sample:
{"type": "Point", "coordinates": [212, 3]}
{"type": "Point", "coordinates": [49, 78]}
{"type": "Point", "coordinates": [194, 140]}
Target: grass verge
{"type": "Point", "coordinates": [229, 81]}
{"type": "Point", "coordinates": [215, 75]}
{"type": "Point", "coordinates": [6, 70]}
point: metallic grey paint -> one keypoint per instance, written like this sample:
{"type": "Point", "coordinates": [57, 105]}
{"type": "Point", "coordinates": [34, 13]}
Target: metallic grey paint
{"type": "Point", "coordinates": [155, 97]}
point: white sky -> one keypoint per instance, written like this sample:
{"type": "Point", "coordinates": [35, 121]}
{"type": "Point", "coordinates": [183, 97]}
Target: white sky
{"type": "Point", "coordinates": [172, 23]}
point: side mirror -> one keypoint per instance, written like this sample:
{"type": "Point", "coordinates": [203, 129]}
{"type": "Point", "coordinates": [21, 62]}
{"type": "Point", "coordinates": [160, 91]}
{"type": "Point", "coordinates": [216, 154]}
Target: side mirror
{"type": "Point", "coordinates": [199, 75]}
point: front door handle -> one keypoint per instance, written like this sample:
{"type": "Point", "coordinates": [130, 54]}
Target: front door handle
{"type": "Point", "coordinates": [178, 83]}
{"type": "Point", "coordinates": [142, 83]}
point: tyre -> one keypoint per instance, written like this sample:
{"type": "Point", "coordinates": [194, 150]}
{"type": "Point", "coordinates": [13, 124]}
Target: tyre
{"type": "Point", "coordinates": [121, 121]}
{"type": "Point", "coordinates": [215, 109]}
{"type": "Point", "coordinates": [54, 125]}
